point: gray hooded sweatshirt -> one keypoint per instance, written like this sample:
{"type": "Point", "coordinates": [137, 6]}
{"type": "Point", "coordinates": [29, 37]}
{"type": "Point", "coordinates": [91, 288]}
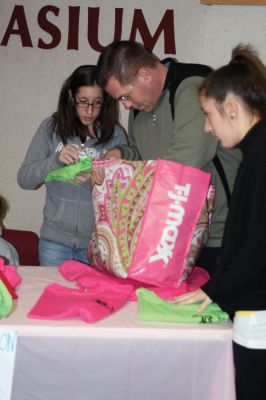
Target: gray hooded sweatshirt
{"type": "Point", "coordinates": [68, 216]}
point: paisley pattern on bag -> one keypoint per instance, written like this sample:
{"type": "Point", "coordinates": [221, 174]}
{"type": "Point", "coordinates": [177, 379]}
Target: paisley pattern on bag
{"type": "Point", "coordinates": [120, 195]}
{"type": "Point", "coordinates": [151, 219]}
{"type": "Point", "coordinates": [202, 232]}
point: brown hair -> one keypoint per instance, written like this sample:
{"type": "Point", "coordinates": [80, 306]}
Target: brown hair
{"type": "Point", "coordinates": [244, 76]}
{"type": "Point", "coordinates": [4, 208]}
{"type": "Point", "coordinates": [122, 60]}
{"type": "Point", "coordinates": [65, 121]}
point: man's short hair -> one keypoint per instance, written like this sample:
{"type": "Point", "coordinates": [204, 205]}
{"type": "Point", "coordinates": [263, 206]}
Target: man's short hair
{"type": "Point", "coordinates": [122, 60]}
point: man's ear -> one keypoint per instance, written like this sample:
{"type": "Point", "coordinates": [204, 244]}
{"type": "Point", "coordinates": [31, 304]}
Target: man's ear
{"type": "Point", "coordinates": [231, 106]}
{"type": "Point", "coordinates": [144, 73]}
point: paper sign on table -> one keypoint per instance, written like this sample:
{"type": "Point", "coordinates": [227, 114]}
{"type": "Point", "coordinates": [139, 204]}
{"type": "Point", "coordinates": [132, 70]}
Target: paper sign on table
{"type": "Point", "coordinates": [8, 344]}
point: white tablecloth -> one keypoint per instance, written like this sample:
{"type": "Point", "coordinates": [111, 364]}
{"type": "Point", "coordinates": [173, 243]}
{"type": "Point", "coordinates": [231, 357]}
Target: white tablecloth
{"type": "Point", "coordinates": [118, 358]}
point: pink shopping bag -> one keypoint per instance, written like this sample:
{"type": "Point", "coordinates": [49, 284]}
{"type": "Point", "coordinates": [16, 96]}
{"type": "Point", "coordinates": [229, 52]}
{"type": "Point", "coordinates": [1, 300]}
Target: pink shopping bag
{"type": "Point", "coordinates": [146, 213]}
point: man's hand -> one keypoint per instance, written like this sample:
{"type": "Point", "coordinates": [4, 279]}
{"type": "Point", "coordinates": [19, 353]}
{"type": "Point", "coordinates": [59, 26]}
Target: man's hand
{"type": "Point", "coordinates": [194, 297]}
{"type": "Point", "coordinates": [113, 154]}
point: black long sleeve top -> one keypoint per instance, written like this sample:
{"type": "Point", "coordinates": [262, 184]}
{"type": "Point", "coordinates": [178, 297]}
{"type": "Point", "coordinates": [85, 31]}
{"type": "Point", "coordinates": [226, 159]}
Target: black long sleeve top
{"type": "Point", "coordinates": [240, 281]}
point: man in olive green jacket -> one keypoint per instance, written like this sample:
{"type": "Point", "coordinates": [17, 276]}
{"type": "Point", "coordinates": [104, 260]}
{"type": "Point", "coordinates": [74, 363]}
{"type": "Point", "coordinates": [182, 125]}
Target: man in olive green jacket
{"type": "Point", "coordinates": [166, 123]}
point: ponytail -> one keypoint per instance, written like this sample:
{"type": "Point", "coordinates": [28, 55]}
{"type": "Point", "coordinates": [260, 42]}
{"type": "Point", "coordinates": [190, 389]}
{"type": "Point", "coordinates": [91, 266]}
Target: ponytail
{"type": "Point", "coordinates": [244, 76]}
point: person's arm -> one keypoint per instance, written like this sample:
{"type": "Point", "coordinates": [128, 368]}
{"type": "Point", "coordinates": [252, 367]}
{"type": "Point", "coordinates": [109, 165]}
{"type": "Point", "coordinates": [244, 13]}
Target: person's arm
{"type": "Point", "coordinates": [8, 252]}
{"type": "Point", "coordinates": [39, 160]}
{"type": "Point", "coordinates": [242, 271]}
{"type": "Point", "coordinates": [124, 150]}
{"type": "Point", "coordinates": [122, 137]}
{"type": "Point", "coordinates": [190, 145]}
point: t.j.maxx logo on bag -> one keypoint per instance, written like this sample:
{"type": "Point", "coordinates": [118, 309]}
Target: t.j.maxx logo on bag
{"type": "Point", "coordinates": [175, 215]}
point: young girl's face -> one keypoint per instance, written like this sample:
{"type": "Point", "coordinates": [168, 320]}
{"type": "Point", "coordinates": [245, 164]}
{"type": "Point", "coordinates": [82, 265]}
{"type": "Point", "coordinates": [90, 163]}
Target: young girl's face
{"type": "Point", "coordinates": [219, 123]}
{"type": "Point", "coordinates": [88, 102]}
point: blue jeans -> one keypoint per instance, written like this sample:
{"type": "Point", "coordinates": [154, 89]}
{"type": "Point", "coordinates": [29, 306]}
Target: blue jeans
{"type": "Point", "coordinates": [53, 253]}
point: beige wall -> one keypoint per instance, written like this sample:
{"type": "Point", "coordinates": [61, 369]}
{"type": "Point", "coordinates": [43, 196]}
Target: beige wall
{"type": "Point", "coordinates": [31, 77]}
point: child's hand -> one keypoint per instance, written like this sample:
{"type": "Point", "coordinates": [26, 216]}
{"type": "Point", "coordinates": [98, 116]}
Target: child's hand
{"type": "Point", "coordinates": [69, 154]}
{"type": "Point", "coordinates": [83, 177]}
{"type": "Point", "coordinates": [113, 154]}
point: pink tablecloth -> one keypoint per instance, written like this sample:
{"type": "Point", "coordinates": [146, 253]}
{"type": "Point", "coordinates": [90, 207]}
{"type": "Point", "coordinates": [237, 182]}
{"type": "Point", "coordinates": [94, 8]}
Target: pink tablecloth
{"type": "Point", "coordinates": [118, 358]}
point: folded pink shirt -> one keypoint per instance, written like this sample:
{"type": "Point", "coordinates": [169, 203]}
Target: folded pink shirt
{"type": "Point", "coordinates": [59, 302]}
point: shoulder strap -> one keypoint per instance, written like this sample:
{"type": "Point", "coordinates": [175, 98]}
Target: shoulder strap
{"type": "Point", "coordinates": [219, 167]}
{"type": "Point", "coordinates": [182, 71]}
{"type": "Point", "coordinates": [179, 72]}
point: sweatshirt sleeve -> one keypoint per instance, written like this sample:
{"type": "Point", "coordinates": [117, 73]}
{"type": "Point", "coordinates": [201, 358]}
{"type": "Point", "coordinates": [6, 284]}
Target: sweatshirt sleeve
{"type": "Point", "coordinates": [39, 159]}
{"type": "Point", "coordinates": [127, 151]}
{"type": "Point", "coordinates": [122, 137]}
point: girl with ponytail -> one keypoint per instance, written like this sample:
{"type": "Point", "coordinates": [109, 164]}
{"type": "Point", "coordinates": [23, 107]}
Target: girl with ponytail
{"type": "Point", "coordinates": [233, 99]}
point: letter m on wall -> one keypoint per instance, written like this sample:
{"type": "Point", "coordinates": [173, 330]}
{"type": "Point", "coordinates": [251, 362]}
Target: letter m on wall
{"type": "Point", "coordinates": [166, 26]}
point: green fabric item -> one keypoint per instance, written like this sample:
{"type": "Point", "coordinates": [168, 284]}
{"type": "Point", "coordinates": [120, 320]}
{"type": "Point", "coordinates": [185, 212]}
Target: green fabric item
{"type": "Point", "coordinates": [6, 301]}
{"type": "Point", "coordinates": [152, 308]}
{"type": "Point", "coordinates": [69, 172]}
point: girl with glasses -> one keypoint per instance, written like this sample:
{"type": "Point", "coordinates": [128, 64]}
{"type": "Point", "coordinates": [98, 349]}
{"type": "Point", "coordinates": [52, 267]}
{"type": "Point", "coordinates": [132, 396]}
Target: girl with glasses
{"type": "Point", "coordinates": [85, 123]}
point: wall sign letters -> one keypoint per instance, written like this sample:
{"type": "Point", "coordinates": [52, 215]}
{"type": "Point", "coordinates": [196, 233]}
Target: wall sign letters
{"type": "Point", "coordinates": [18, 27]}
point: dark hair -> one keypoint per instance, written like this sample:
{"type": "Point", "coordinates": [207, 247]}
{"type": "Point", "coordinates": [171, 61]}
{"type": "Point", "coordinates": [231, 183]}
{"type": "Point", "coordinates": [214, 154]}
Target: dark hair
{"type": "Point", "coordinates": [122, 60]}
{"type": "Point", "coordinates": [245, 76]}
{"type": "Point", "coordinates": [4, 208]}
{"type": "Point", "coordinates": [65, 121]}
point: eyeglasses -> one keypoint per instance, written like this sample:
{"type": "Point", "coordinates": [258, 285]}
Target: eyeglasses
{"type": "Point", "coordinates": [85, 104]}
{"type": "Point", "coordinates": [126, 97]}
